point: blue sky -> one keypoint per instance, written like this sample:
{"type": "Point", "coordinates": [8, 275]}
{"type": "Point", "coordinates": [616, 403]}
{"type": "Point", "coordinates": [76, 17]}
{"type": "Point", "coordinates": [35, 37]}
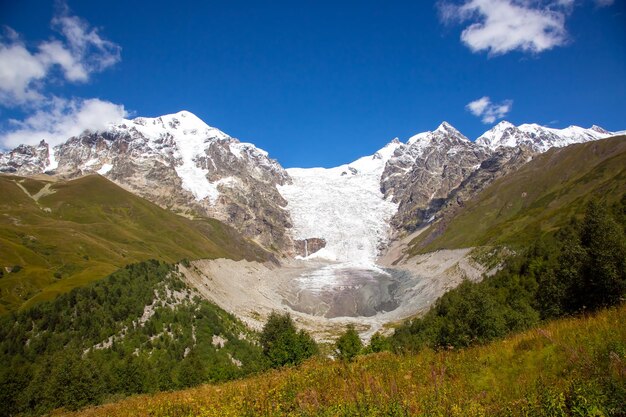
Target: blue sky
{"type": "Point", "coordinates": [315, 83]}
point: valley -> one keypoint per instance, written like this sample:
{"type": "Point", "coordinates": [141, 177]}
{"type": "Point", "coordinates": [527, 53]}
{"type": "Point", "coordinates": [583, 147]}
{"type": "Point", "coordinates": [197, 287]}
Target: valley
{"type": "Point", "coordinates": [186, 242]}
{"type": "Point", "coordinates": [313, 209]}
{"type": "Point", "coordinates": [331, 246]}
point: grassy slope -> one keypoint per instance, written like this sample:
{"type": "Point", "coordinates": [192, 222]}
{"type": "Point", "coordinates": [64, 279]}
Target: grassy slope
{"type": "Point", "coordinates": [90, 227]}
{"type": "Point", "coordinates": [579, 362]}
{"type": "Point", "coordinates": [538, 198]}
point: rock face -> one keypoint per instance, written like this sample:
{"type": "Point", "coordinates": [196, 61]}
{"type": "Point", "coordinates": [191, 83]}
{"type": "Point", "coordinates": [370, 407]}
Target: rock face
{"type": "Point", "coordinates": [498, 164]}
{"type": "Point", "coordinates": [434, 173]}
{"type": "Point", "coordinates": [347, 213]}
{"type": "Point", "coordinates": [26, 160]}
{"type": "Point", "coordinates": [180, 163]}
{"type": "Point", "coordinates": [306, 247]}
{"type": "Point", "coordinates": [423, 172]}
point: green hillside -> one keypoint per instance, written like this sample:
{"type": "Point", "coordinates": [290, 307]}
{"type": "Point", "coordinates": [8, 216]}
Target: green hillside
{"type": "Point", "coordinates": [55, 236]}
{"type": "Point", "coordinates": [141, 329]}
{"type": "Point", "coordinates": [571, 367]}
{"type": "Point", "coordinates": [537, 199]}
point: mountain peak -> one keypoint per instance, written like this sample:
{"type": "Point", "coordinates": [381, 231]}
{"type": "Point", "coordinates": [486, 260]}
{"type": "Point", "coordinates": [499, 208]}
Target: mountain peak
{"type": "Point", "coordinates": [448, 130]}
{"type": "Point", "coordinates": [599, 129]}
{"type": "Point", "coordinates": [504, 124]}
{"type": "Point", "coordinates": [445, 127]}
{"type": "Point", "coordinates": [444, 130]}
{"type": "Point", "coordinates": [537, 137]}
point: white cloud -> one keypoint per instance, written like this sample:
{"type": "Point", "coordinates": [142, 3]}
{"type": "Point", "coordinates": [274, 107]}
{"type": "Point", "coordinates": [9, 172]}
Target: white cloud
{"type": "Point", "coordinates": [489, 112]}
{"type": "Point", "coordinates": [19, 72]}
{"type": "Point", "coordinates": [79, 52]}
{"type": "Point", "coordinates": [73, 55]}
{"type": "Point", "coordinates": [501, 26]}
{"type": "Point", "coordinates": [604, 3]}
{"type": "Point", "coordinates": [88, 48]}
{"type": "Point", "coordinates": [62, 119]}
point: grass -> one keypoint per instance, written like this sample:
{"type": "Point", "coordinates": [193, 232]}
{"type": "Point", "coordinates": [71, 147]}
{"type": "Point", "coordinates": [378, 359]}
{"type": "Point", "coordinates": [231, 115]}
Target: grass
{"type": "Point", "coordinates": [574, 367]}
{"type": "Point", "coordinates": [536, 199]}
{"type": "Point", "coordinates": [88, 228]}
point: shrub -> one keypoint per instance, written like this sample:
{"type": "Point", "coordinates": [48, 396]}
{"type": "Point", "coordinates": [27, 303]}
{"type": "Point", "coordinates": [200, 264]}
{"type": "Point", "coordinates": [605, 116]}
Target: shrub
{"type": "Point", "coordinates": [349, 344]}
{"type": "Point", "coordinates": [282, 344]}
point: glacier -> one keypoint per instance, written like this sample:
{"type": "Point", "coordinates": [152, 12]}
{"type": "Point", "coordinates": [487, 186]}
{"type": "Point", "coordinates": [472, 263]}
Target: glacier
{"type": "Point", "coordinates": [344, 206]}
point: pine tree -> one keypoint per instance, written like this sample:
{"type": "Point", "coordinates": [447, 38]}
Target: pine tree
{"type": "Point", "coordinates": [283, 344]}
{"type": "Point", "coordinates": [349, 344]}
{"type": "Point", "coordinates": [604, 274]}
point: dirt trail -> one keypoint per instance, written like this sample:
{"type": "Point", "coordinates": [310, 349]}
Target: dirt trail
{"type": "Point", "coordinates": [44, 191]}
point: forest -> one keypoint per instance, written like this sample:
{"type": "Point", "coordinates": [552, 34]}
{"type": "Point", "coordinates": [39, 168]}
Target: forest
{"type": "Point", "coordinates": [139, 330]}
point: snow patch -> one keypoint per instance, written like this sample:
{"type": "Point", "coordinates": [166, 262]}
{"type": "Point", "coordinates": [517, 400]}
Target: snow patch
{"type": "Point", "coordinates": [541, 138]}
{"type": "Point", "coordinates": [191, 137]}
{"type": "Point", "coordinates": [90, 163]}
{"type": "Point", "coordinates": [194, 177]}
{"type": "Point", "coordinates": [239, 148]}
{"type": "Point", "coordinates": [105, 169]}
{"type": "Point", "coordinates": [52, 162]}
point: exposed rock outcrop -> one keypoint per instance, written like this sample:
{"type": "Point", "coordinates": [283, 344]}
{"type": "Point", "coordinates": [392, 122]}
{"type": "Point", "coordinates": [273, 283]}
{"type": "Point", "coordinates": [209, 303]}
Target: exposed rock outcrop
{"type": "Point", "coordinates": [306, 247]}
{"type": "Point", "coordinates": [422, 174]}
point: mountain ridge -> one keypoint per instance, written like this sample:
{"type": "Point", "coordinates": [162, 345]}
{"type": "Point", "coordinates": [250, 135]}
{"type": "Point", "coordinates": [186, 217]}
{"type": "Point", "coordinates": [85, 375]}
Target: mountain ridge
{"type": "Point", "coordinates": [541, 195]}
{"type": "Point", "coordinates": [173, 121]}
{"type": "Point", "coordinates": [180, 163]}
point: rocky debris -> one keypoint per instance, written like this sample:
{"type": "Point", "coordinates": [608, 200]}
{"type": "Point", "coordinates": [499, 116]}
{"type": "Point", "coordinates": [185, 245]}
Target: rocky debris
{"type": "Point", "coordinates": [218, 341]}
{"type": "Point", "coordinates": [235, 361]}
{"type": "Point", "coordinates": [262, 288]}
{"type": "Point", "coordinates": [306, 247]}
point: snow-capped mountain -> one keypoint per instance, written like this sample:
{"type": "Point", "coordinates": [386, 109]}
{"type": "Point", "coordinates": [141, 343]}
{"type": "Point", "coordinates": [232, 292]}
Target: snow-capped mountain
{"type": "Point", "coordinates": [442, 169]}
{"type": "Point", "coordinates": [422, 173]}
{"type": "Point", "coordinates": [177, 161]}
{"type": "Point", "coordinates": [538, 138]}
{"type": "Point", "coordinates": [342, 213]}
{"type": "Point", "coordinates": [27, 160]}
